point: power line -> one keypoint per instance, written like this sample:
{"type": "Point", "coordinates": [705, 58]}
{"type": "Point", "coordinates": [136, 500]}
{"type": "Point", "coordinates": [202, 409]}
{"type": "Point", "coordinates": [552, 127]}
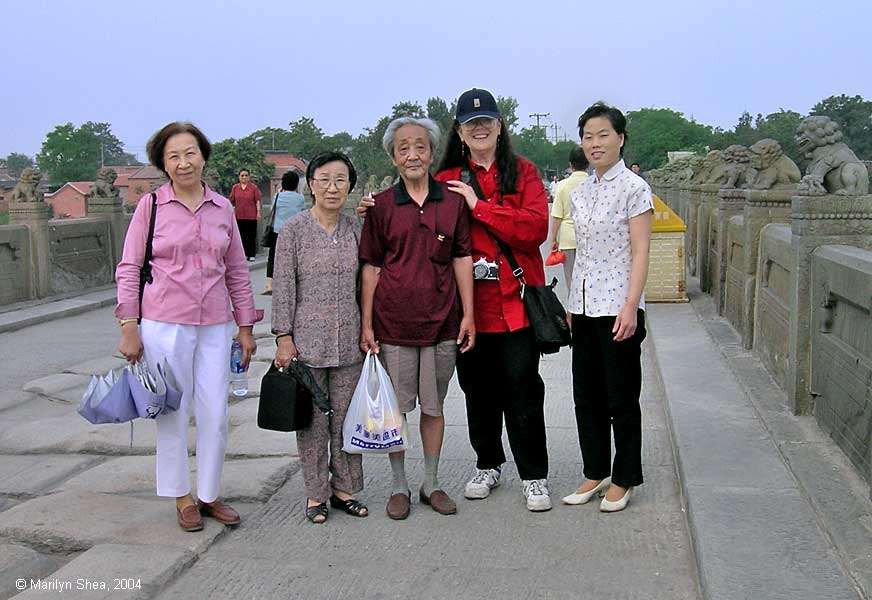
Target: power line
{"type": "Point", "coordinates": [538, 116]}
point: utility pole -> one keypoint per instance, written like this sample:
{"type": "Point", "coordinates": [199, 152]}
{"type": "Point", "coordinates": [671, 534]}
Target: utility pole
{"type": "Point", "coordinates": [274, 139]}
{"type": "Point", "coordinates": [101, 155]}
{"type": "Point", "coordinates": [538, 116]}
{"type": "Point", "coordinates": [555, 127]}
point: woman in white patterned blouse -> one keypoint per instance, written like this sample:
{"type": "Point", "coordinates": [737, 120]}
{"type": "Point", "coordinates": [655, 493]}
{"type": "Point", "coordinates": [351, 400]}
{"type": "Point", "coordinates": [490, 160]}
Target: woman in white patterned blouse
{"type": "Point", "coordinates": [612, 211]}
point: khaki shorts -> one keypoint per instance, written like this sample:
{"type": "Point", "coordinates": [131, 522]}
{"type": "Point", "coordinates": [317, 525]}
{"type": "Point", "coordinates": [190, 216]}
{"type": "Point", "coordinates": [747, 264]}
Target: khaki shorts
{"type": "Point", "coordinates": [421, 373]}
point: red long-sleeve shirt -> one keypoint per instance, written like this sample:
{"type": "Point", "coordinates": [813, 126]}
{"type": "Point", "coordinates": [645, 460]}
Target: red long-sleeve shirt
{"type": "Point", "coordinates": [245, 201]}
{"type": "Point", "coordinates": [521, 221]}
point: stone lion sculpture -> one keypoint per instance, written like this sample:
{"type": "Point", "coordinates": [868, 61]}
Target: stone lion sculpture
{"type": "Point", "coordinates": [834, 168]}
{"type": "Point", "coordinates": [371, 186]}
{"type": "Point", "coordinates": [737, 170]}
{"type": "Point", "coordinates": [775, 170]}
{"type": "Point", "coordinates": [387, 182]}
{"type": "Point", "coordinates": [103, 187]}
{"type": "Point", "coordinates": [712, 169]}
{"type": "Point", "coordinates": [27, 188]}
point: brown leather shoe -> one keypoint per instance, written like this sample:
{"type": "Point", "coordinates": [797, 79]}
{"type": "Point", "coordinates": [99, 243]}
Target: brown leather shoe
{"type": "Point", "coordinates": [439, 501]}
{"type": "Point", "coordinates": [189, 518]}
{"type": "Point", "coordinates": [399, 506]}
{"type": "Point", "coordinates": [220, 512]}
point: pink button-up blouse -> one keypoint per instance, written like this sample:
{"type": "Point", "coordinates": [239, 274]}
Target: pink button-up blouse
{"type": "Point", "coordinates": [198, 264]}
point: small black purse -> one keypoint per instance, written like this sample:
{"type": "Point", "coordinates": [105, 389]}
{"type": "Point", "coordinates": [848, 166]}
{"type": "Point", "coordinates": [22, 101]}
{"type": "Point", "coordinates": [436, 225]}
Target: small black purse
{"type": "Point", "coordinates": [287, 396]}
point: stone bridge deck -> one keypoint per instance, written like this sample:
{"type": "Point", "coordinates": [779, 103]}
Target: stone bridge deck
{"type": "Point", "coordinates": [741, 500]}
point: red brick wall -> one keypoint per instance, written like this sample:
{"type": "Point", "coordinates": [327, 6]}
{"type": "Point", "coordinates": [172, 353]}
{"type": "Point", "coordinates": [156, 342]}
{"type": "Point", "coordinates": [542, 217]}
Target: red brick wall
{"type": "Point", "coordinates": [68, 203]}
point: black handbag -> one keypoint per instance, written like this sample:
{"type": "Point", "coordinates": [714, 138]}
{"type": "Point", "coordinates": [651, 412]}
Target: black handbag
{"type": "Point", "coordinates": [268, 239]}
{"type": "Point", "coordinates": [544, 311]}
{"type": "Point", "coordinates": [287, 396]}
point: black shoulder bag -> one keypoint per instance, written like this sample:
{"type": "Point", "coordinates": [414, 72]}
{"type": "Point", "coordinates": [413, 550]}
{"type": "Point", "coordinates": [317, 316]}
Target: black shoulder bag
{"type": "Point", "coordinates": [544, 311]}
{"type": "Point", "coordinates": [145, 275]}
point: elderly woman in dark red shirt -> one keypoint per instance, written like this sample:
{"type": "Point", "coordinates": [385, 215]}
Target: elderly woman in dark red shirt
{"type": "Point", "coordinates": [245, 198]}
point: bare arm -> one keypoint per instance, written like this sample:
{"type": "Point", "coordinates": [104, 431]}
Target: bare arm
{"type": "Point", "coordinates": [462, 266]}
{"type": "Point", "coordinates": [369, 281]}
{"type": "Point", "coordinates": [640, 240]}
{"type": "Point", "coordinates": [555, 229]}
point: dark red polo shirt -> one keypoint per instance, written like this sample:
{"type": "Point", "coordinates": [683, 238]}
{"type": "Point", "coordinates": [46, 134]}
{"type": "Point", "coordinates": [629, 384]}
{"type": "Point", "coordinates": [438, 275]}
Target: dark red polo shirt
{"type": "Point", "coordinates": [416, 300]}
{"type": "Point", "coordinates": [521, 221]}
{"type": "Point", "coordinates": [245, 201]}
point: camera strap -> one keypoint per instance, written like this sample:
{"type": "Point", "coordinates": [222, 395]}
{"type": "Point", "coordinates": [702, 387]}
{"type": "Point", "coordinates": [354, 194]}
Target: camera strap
{"type": "Point", "coordinates": [468, 177]}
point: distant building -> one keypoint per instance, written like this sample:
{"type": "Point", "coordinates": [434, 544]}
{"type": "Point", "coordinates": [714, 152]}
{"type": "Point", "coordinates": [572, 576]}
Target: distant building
{"type": "Point", "coordinates": [122, 183]}
{"type": "Point", "coordinates": [140, 182]}
{"type": "Point", "coordinates": [283, 162]}
{"type": "Point", "coordinates": [70, 200]}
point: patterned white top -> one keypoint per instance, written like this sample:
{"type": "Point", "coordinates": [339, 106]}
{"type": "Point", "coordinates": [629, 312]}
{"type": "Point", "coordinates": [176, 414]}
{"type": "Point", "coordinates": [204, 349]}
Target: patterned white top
{"type": "Point", "coordinates": [602, 209]}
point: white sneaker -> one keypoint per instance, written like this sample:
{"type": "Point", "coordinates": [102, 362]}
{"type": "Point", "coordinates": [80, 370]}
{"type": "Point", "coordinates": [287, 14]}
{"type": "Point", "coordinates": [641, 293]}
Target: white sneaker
{"type": "Point", "coordinates": [482, 483]}
{"type": "Point", "coordinates": [537, 495]}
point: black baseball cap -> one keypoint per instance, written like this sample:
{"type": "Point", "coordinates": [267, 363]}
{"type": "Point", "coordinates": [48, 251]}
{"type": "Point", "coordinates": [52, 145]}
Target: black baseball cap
{"type": "Point", "coordinates": [476, 103]}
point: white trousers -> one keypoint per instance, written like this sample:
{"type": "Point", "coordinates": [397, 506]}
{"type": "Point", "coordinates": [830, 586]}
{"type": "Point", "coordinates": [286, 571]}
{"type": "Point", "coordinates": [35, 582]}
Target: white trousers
{"type": "Point", "coordinates": [199, 357]}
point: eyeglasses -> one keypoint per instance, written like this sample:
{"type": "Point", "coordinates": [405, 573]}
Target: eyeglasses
{"type": "Point", "coordinates": [324, 183]}
{"type": "Point", "coordinates": [486, 122]}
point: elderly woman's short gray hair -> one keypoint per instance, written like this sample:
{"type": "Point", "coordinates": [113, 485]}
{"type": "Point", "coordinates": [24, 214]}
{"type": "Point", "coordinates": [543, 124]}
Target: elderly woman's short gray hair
{"type": "Point", "coordinates": [432, 129]}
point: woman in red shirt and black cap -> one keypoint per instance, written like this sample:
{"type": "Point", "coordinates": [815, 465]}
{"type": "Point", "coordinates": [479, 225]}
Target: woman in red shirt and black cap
{"type": "Point", "coordinates": [500, 375]}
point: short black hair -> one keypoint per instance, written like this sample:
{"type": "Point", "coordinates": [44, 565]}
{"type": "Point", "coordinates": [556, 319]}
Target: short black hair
{"type": "Point", "coordinates": [156, 144]}
{"type": "Point", "coordinates": [635, 164]}
{"type": "Point", "coordinates": [329, 157]}
{"type": "Point", "coordinates": [577, 159]}
{"type": "Point", "coordinates": [615, 117]}
{"type": "Point", "coordinates": [290, 180]}
{"type": "Point", "coordinates": [243, 170]}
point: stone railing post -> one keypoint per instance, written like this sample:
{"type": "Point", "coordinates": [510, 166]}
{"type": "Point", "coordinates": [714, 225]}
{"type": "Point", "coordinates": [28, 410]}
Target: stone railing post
{"type": "Point", "coordinates": [111, 209]}
{"type": "Point", "coordinates": [731, 202]}
{"type": "Point", "coordinates": [817, 221]}
{"type": "Point", "coordinates": [35, 216]}
{"type": "Point", "coordinates": [708, 202]}
{"type": "Point", "coordinates": [691, 211]}
{"type": "Point", "coordinates": [762, 207]}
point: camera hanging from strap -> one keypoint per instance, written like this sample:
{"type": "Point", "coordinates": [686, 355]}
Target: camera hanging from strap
{"type": "Point", "coordinates": [468, 178]}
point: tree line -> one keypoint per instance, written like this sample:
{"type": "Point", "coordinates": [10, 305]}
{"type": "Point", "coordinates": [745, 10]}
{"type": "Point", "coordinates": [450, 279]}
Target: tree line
{"type": "Point", "coordinates": [71, 153]}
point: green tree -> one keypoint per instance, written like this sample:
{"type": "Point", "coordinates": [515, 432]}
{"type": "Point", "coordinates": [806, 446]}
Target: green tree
{"type": "Point", "coordinates": [305, 138]}
{"type": "Point", "coordinates": [71, 153]}
{"type": "Point", "coordinates": [509, 109]}
{"type": "Point", "coordinates": [271, 138]}
{"type": "Point", "coordinates": [781, 127]}
{"type": "Point", "coordinates": [652, 132]}
{"type": "Point", "coordinates": [15, 163]}
{"type": "Point", "coordinates": [854, 114]}
{"type": "Point", "coordinates": [231, 155]}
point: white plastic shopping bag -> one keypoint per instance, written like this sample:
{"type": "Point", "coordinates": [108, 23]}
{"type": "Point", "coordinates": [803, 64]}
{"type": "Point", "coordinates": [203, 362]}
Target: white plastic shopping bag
{"type": "Point", "coordinates": [374, 423]}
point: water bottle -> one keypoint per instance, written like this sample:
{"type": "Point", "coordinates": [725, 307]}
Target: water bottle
{"type": "Point", "coordinates": [238, 380]}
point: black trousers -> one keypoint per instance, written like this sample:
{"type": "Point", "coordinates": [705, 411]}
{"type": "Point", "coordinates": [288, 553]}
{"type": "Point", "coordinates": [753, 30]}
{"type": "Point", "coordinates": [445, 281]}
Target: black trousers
{"type": "Point", "coordinates": [500, 377]}
{"type": "Point", "coordinates": [248, 233]}
{"type": "Point", "coordinates": [271, 258]}
{"type": "Point", "coordinates": [606, 383]}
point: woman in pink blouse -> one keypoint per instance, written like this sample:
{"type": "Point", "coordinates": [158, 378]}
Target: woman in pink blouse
{"type": "Point", "coordinates": [199, 270]}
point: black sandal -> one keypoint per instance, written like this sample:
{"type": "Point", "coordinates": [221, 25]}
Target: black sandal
{"type": "Point", "coordinates": [314, 512]}
{"type": "Point", "coordinates": [350, 506]}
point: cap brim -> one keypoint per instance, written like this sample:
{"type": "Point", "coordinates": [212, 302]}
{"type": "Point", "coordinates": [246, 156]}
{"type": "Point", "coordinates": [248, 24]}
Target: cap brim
{"type": "Point", "coordinates": [476, 114]}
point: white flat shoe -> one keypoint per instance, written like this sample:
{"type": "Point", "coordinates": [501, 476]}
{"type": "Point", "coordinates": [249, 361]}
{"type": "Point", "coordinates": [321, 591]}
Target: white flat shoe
{"type": "Point", "coordinates": [616, 506]}
{"type": "Point", "coordinates": [576, 498]}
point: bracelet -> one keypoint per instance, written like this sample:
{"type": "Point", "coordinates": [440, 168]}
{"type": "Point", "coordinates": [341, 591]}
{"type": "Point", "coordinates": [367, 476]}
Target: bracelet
{"type": "Point", "coordinates": [281, 335]}
{"type": "Point", "coordinates": [123, 322]}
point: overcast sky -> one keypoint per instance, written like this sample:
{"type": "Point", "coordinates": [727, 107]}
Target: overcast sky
{"type": "Point", "coordinates": [233, 67]}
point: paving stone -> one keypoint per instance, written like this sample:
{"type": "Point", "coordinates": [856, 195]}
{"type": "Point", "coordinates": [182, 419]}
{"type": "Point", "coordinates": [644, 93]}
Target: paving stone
{"type": "Point", "coordinates": [77, 520]}
{"type": "Point", "coordinates": [245, 438]}
{"type": "Point", "coordinates": [115, 570]}
{"type": "Point", "coordinates": [59, 386]}
{"type": "Point", "coordinates": [97, 366]}
{"type": "Point", "coordinates": [262, 330]}
{"type": "Point", "coordinates": [19, 562]}
{"type": "Point", "coordinates": [243, 480]}
{"type": "Point", "coordinates": [13, 398]}
{"type": "Point", "coordinates": [256, 371]}
{"type": "Point", "coordinates": [23, 476]}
